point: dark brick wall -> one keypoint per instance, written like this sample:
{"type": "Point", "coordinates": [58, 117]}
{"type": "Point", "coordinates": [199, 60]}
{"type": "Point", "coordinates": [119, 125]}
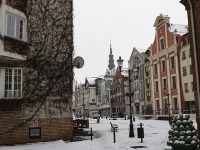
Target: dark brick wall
{"type": "Point", "coordinates": [51, 128]}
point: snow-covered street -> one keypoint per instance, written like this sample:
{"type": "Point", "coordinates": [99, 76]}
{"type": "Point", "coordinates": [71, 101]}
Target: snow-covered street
{"type": "Point", "coordinates": [155, 137]}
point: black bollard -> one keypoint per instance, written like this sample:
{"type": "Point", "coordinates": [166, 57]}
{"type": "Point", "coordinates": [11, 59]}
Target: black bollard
{"type": "Point", "coordinates": [98, 119]}
{"type": "Point", "coordinates": [91, 133]}
{"type": "Point", "coordinates": [141, 132]}
{"type": "Point", "coordinates": [114, 135]}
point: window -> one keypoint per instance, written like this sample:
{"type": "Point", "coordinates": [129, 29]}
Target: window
{"type": "Point", "coordinates": [14, 27]}
{"type": "Point", "coordinates": [155, 69]}
{"type": "Point", "coordinates": [190, 69]}
{"type": "Point", "coordinates": [184, 71]}
{"type": "Point", "coordinates": [164, 84]}
{"type": "Point", "coordinates": [118, 90]}
{"type": "Point", "coordinates": [147, 70]}
{"type": "Point", "coordinates": [162, 44]}
{"type": "Point", "coordinates": [186, 87]}
{"type": "Point", "coordinates": [173, 82]}
{"type": "Point", "coordinates": [163, 66]}
{"type": "Point", "coordinates": [148, 95]}
{"type": "Point", "coordinates": [156, 83]}
{"type": "Point", "coordinates": [175, 103]}
{"type": "Point", "coordinates": [172, 62]}
{"type": "Point", "coordinates": [183, 55]}
{"type": "Point", "coordinates": [157, 105]}
{"type": "Point", "coordinates": [13, 83]}
{"type": "Point", "coordinates": [148, 83]}
{"type": "Point", "coordinates": [119, 99]}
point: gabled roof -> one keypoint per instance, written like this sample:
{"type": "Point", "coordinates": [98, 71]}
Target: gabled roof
{"type": "Point", "coordinates": [135, 50]}
{"type": "Point", "coordinates": [91, 81]}
{"type": "Point", "coordinates": [161, 16]}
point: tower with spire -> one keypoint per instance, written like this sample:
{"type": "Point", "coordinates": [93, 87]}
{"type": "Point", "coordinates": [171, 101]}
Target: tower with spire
{"type": "Point", "coordinates": [110, 71]}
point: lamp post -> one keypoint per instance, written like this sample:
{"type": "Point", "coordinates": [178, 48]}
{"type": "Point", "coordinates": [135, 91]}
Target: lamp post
{"type": "Point", "coordinates": [83, 106]}
{"type": "Point", "coordinates": [130, 94]}
{"type": "Point", "coordinates": [168, 104]}
{"type": "Point", "coordinates": [120, 64]}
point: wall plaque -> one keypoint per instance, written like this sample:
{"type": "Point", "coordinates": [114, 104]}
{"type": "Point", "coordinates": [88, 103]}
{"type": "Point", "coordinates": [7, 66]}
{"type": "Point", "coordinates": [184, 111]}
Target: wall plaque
{"type": "Point", "coordinates": [35, 133]}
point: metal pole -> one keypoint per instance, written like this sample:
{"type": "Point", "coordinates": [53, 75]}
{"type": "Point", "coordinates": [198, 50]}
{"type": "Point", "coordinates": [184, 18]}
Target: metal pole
{"type": "Point", "coordinates": [91, 133]}
{"type": "Point", "coordinates": [114, 135]}
{"type": "Point", "coordinates": [169, 109]}
{"type": "Point", "coordinates": [131, 131]}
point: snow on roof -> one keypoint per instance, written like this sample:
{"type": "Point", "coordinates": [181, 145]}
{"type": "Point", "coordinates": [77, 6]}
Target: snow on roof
{"type": "Point", "coordinates": [91, 81]}
{"type": "Point", "coordinates": [178, 29]}
{"type": "Point", "coordinates": [124, 72]}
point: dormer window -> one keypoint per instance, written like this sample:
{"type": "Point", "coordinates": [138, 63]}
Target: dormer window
{"type": "Point", "coordinates": [15, 27]}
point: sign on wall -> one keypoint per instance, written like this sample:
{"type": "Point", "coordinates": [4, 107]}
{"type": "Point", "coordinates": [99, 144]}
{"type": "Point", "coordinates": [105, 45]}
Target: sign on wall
{"type": "Point", "coordinates": [35, 133]}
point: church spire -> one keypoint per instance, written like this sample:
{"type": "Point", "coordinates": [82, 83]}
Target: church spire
{"type": "Point", "coordinates": [110, 48]}
{"type": "Point", "coordinates": [111, 64]}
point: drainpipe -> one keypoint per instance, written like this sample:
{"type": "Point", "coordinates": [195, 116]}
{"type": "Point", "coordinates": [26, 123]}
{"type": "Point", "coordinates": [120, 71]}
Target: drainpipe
{"type": "Point", "coordinates": [195, 54]}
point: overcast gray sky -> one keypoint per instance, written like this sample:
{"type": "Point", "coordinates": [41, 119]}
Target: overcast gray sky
{"type": "Point", "coordinates": [127, 23]}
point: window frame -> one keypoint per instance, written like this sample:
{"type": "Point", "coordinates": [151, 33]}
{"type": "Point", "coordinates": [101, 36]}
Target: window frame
{"type": "Point", "coordinates": [17, 28]}
{"type": "Point", "coordinates": [148, 83]}
{"type": "Point", "coordinates": [173, 80]}
{"type": "Point", "coordinates": [164, 83]}
{"type": "Point", "coordinates": [13, 83]}
{"type": "Point", "coordinates": [147, 70]}
{"type": "Point", "coordinates": [184, 71]}
{"type": "Point", "coordinates": [156, 86]}
{"type": "Point", "coordinates": [172, 63]}
{"type": "Point", "coordinates": [155, 66]}
{"type": "Point", "coordinates": [186, 87]}
{"type": "Point", "coordinates": [163, 65]}
{"type": "Point", "coordinates": [183, 55]}
{"type": "Point", "coordinates": [162, 43]}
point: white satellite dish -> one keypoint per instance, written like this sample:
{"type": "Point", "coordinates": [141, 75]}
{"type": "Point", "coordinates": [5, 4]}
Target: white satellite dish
{"type": "Point", "coordinates": [78, 62]}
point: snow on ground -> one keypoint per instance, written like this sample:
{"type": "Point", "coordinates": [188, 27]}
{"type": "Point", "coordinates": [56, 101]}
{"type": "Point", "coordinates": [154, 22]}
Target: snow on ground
{"type": "Point", "coordinates": [155, 137]}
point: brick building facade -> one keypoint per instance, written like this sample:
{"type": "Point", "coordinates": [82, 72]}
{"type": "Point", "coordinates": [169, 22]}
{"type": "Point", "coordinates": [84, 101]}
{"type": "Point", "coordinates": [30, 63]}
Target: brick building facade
{"type": "Point", "coordinates": [193, 10]}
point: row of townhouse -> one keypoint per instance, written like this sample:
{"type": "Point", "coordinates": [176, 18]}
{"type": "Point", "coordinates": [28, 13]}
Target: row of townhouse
{"type": "Point", "coordinates": [161, 77]}
{"type": "Point", "coordinates": [36, 53]}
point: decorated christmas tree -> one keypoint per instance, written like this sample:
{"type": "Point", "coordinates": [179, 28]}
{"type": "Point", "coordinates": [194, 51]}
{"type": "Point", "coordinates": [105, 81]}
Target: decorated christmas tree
{"type": "Point", "coordinates": [183, 135]}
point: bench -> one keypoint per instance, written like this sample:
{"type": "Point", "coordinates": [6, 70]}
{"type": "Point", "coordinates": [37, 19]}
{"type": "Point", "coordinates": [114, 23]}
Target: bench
{"type": "Point", "coordinates": [114, 127]}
